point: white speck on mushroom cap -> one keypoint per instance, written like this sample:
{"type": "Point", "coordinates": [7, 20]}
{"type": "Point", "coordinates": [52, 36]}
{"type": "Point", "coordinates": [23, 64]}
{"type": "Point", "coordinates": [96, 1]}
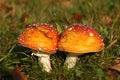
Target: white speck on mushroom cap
{"type": "Point", "coordinates": [33, 25]}
{"type": "Point", "coordinates": [44, 24]}
{"type": "Point", "coordinates": [20, 39]}
{"type": "Point", "coordinates": [91, 34]}
{"type": "Point", "coordinates": [70, 29]}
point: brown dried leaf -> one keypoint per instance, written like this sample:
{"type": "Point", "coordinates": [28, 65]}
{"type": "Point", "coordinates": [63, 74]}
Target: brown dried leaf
{"type": "Point", "coordinates": [18, 75]}
{"type": "Point", "coordinates": [113, 71]}
{"type": "Point", "coordinates": [3, 7]}
{"type": "Point", "coordinates": [10, 10]}
{"type": "Point", "coordinates": [77, 16]}
{"type": "Point", "coordinates": [107, 21]}
{"type": "Point", "coordinates": [117, 61]}
{"type": "Point", "coordinates": [67, 3]}
{"type": "Point", "coordinates": [112, 75]}
{"type": "Point", "coordinates": [24, 17]}
{"type": "Point", "coordinates": [116, 67]}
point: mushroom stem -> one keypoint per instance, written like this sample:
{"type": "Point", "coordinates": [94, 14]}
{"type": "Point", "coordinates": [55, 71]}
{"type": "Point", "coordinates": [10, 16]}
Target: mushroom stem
{"type": "Point", "coordinates": [70, 61]}
{"type": "Point", "coordinates": [44, 58]}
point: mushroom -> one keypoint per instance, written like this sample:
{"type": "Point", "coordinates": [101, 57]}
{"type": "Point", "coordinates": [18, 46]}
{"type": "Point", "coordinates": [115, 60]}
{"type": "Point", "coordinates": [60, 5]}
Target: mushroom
{"type": "Point", "coordinates": [43, 39]}
{"type": "Point", "coordinates": [78, 39]}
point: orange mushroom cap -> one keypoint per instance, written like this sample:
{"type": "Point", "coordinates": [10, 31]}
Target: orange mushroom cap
{"type": "Point", "coordinates": [80, 39]}
{"type": "Point", "coordinates": [42, 37]}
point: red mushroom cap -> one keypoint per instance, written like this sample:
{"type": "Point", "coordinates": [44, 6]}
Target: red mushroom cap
{"type": "Point", "coordinates": [80, 39]}
{"type": "Point", "coordinates": [42, 37]}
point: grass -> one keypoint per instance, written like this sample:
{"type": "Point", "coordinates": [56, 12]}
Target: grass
{"type": "Point", "coordinates": [16, 14]}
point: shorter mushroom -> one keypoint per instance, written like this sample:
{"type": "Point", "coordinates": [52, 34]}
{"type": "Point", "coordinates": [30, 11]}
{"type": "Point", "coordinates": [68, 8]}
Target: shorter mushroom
{"type": "Point", "coordinates": [43, 39]}
{"type": "Point", "coordinates": [79, 39]}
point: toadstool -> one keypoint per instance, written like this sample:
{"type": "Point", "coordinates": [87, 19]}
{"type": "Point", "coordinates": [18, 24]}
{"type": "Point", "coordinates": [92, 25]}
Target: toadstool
{"type": "Point", "coordinates": [43, 39]}
{"type": "Point", "coordinates": [79, 39]}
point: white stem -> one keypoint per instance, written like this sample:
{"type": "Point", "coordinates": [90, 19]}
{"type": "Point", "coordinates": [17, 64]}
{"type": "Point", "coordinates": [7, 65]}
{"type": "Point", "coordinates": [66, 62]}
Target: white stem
{"type": "Point", "coordinates": [44, 59]}
{"type": "Point", "coordinates": [70, 61]}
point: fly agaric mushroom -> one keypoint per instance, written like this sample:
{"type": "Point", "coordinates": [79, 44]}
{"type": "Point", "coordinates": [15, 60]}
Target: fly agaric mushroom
{"type": "Point", "coordinates": [42, 38]}
{"type": "Point", "coordinates": [79, 39]}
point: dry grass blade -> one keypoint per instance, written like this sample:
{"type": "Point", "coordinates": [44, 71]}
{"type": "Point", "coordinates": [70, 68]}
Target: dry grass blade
{"type": "Point", "coordinates": [112, 43]}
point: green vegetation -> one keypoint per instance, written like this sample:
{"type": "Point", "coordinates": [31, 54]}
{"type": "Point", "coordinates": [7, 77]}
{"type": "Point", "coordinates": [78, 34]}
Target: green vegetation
{"type": "Point", "coordinates": [102, 15]}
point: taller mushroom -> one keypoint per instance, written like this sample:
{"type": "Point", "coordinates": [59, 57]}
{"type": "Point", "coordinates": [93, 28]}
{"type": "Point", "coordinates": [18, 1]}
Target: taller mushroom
{"type": "Point", "coordinates": [42, 38]}
{"type": "Point", "coordinates": [79, 39]}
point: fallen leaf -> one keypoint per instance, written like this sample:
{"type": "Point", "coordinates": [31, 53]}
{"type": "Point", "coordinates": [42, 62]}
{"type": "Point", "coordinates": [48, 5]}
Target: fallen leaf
{"type": "Point", "coordinates": [4, 7]}
{"type": "Point", "coordinates": [67, 3]}
{"type": "Point", "coordinates": [113, 71]}
{"type": "Point", "coordinates": [77, 16]}
{"type": "Point", "coordinates": [116, 67]}
{"type": "Point", "coordinates": [112, 75]}
{"type": "Point", "coordinates": [117, 61]}
{"type": "Point", "coordinates": [107, 21]}
{"type": "Point", "coordinates": [10, 10]}
{"type": "Point", "coordinates": [18, 74]}
{"type": "Point", "coordinates": [24, 17]}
